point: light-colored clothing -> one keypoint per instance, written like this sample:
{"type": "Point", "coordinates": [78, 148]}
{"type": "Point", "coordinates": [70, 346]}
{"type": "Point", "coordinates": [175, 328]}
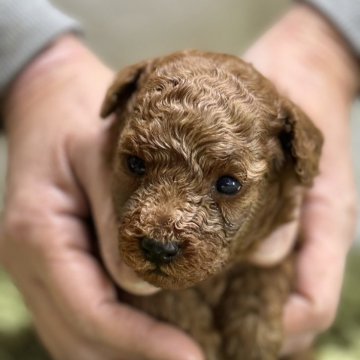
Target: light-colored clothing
{"type": "Point", "coordinates": [26, 28]}
{"type": "Point", "coordinates": [345, 15]}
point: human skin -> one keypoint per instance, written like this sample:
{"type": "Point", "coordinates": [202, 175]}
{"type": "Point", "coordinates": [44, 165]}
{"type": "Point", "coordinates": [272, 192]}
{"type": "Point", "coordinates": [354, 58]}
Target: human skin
{"type": "Point", "coordinates": [57, 181]}
{"type": "Point", "coordinates": [310, 63]}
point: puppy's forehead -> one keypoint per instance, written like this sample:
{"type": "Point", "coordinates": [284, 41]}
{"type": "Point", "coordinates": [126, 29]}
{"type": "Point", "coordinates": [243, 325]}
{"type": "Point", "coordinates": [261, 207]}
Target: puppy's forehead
{"type": "Point", "coordinates": [210, 83]}
{"type": "Point", "coordinates": [196, 109]}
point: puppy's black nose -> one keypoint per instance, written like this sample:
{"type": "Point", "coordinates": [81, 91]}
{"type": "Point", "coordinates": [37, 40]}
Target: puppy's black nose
{"type": "Point", "coordinates": [157, 252]}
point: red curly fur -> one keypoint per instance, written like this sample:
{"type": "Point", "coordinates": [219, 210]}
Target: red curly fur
{"type": "Point", "coordinates": [193, 117]}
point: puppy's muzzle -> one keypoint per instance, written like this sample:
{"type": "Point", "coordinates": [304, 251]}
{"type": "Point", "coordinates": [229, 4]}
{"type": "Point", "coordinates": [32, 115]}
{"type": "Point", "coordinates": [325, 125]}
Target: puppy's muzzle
{"type": "Point", "coordinates": [157, 252]}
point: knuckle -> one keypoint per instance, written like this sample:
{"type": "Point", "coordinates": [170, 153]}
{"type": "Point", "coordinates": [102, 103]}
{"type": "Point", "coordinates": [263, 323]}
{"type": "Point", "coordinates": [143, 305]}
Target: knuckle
{"type": "Point", "coordinates": [15, 224]}
{"type": "Point", "coordinates": [13, 230]}
{"type": "Point", "coordinates": [21, 229]}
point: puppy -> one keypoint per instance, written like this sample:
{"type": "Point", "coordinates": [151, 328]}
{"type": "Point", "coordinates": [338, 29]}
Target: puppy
{"type": "Point", "coordinates": [208, 161]}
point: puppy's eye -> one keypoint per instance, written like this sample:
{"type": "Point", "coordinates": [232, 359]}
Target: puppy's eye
{"type": "Point", "coordinates": [136, 165]}
{"type": "Point", "coordinates": [228, 185]}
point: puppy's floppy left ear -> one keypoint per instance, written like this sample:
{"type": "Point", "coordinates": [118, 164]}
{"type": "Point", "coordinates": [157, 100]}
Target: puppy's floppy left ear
{"type": "Point", "coordinates": [124, 85]}
{"type": "Point", "coordinates": [301, 141]}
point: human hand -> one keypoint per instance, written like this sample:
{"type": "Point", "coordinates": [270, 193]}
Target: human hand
{"type": "Point", "coordinates": [309, 62]}
{"type": "Point", "coordinates": [57, 180]}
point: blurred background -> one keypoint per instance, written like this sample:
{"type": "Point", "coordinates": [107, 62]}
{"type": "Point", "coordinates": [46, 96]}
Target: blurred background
{"type": "Point", "coordinates": [123, 32]}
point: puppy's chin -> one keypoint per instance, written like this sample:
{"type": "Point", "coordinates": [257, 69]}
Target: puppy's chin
{"type": "Point", "coordinates": [183, 272]}
{"type": "Point", "coordinates": [200, 257]}
{"type": "Point", "coordinates": [160, 278]}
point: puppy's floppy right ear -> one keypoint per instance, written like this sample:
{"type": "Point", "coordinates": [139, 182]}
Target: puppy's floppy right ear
{"type": "Point", "coordinates": [124, 85]}
{"type": "Point", "coordinates": [301, 140]}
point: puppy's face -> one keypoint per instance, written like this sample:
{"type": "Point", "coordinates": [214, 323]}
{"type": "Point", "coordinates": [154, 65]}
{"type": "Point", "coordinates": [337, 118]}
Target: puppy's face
{"type": "Point", "coordinates": [205, 155]}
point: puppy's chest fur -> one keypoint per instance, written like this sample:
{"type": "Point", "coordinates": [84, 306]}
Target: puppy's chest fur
{"type": "Point", "coordinates": [233, 315]}
{"type": "Point", "coordinates": [208, 162]}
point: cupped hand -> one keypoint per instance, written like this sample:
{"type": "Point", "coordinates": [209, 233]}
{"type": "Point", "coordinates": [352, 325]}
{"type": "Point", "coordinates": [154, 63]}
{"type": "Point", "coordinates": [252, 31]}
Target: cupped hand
{"type": "Point", "coordinates": [57, 181]}
{"type": "Point", "coordinates": [309, 62]}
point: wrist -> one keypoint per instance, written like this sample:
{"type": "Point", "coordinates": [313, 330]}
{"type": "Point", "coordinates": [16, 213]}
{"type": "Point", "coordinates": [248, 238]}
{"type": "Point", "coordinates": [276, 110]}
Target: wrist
{"type": "Point", "coordinates": [55, 70]}
{"type": "Point", "coordinates": [304, 47]}
{"type": "Point", "coordinates": [324, 49]}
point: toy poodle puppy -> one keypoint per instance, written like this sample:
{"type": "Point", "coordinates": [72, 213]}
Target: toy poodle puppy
{"type": "Point", "coordinates": [208, 161]}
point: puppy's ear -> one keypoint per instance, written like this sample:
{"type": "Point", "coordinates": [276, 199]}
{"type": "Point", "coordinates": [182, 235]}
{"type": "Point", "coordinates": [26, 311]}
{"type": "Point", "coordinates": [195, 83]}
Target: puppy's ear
{"type": "Point", "coordinates": [301, 141]}
{"type": "Point", "coordinates": [124, 85]}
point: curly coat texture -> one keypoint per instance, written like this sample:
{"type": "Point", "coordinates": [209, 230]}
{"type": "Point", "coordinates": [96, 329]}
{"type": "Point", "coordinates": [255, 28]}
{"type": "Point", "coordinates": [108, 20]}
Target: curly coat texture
{"type": "Point", "coordinates": [189, 119]}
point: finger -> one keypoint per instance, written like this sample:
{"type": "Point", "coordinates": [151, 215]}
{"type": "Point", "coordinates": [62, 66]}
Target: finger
{"type": "Point", "coordinates": [320, 268]}
{"type": "Point", "coordinates": [277, 246]}
{"type": "Point", "coordinates": [280, 243]}
{"type": "Point", "coordinates": [130, 282]}
{"type": "Point", "coordinates": [296, 344]}
{"type": "Point", "coordinates": [115, 324]}
{"type": "Point", "coordinates": [57, 337]}
{"type": "Point", "coordinates": [61, 338]}
{"type": "Point", "coordinates": [95, 174]}
{"type": "Point", "coordinates": [124, 276]}
{"type": "Point", "coordinates": [85, 296]}
{"type": "Point", "coordinates": [320, 265]}
{"type": "Point", "coordinates": [65, 329]}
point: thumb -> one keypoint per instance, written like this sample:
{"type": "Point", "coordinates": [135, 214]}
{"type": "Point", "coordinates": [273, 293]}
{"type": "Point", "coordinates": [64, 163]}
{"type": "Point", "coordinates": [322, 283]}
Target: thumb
{"type": "Point", "coordinates": [146, 336]}
{"type": "Point", "coordinates": [115, 325]}
{"type": "Point", "coordinates": [90, 163]}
